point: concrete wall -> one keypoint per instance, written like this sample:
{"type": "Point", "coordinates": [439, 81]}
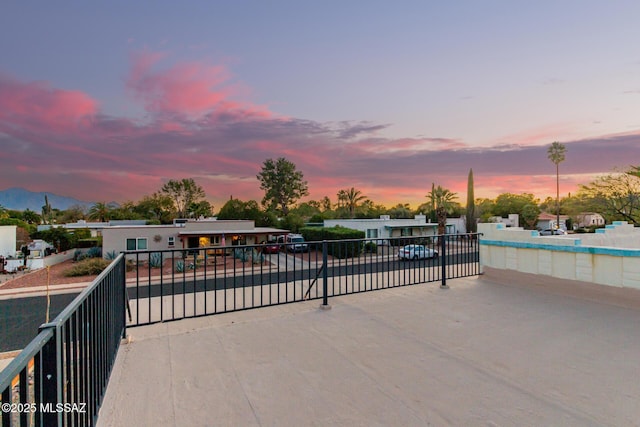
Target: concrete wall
{"type": "Point", "coordinates": [37, 263]}
{"type": "Point", "coordinates": [609, 258]}
{"type": "Point", "coordinates": [8, 240]}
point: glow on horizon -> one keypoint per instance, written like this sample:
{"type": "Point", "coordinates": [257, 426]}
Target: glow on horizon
{"type": "Point", "coordinates": [111, 112]}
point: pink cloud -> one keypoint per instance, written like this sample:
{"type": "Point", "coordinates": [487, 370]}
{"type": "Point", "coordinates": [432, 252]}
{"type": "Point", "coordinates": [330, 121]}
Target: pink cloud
{"type": "Point", "coordinates": [36, 104]}
{"type": "Point", "coordinates": [191, 88]}
{"type": "Point", "coordinates": [57, 140]}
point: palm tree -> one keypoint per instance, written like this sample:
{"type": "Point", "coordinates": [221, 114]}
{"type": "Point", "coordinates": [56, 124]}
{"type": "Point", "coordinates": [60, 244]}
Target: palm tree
{"type": "Point", "coordinates": [342, 199]}
{"type": "Point", "coordinates": [100, 211]}
{"type": "Point", "coordinates": [442, 201]}
{"type": "Point", "coordinates": [556, 154]}
{"type": "Point", "coordinates": [352, 198]}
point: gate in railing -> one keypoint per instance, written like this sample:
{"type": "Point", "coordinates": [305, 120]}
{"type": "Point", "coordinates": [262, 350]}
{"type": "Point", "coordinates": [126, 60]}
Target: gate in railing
{"type": "Point", "coordinates": [61, 376]}
{"type": "Point", "coordinates": [175, 284]}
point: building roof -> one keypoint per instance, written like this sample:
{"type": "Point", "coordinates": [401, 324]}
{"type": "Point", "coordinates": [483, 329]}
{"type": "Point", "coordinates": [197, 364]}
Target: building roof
{"type": "Point", "coordinates": [545, 216]}
{"type": "Point", "coordinates": [257, 230]}
{"type": "Point", "coordinates": [428, 224]}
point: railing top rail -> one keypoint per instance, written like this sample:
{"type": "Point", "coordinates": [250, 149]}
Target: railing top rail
{"type": "Point", "coordinates": [22, 360]}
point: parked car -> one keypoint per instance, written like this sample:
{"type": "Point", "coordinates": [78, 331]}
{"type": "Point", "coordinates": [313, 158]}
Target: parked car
{"type": "Point", "coordinates": [416, 252]}
{"type": "Point", "coordinates": [554, 232]}
{"type": "Point", "coordinates": [271, 248]}
{"type": "Point", "coordinates": [293, 243]}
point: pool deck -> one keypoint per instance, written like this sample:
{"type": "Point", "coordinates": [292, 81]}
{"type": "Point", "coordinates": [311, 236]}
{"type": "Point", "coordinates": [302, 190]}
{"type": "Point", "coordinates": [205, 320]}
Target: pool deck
{"type": "Point", "coordinates": [487, 351]}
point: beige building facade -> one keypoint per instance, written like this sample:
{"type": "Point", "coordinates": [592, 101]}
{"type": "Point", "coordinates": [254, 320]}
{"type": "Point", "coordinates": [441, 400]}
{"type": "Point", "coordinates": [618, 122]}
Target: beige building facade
{"type": "Point", "coordinates": [207, 233]}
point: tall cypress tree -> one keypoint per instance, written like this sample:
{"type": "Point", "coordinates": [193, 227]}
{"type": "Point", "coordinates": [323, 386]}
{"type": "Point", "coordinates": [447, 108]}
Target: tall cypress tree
{"type": "Point", "coordinates": [472, 225]}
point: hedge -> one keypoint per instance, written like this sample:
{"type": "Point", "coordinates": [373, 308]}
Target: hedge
{"type": "Point", "coordinates": [337, 250]}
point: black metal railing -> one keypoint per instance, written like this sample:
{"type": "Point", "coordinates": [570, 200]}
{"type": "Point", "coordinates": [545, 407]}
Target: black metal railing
{"type": "Point", "coordinates": [60, 378]}
{"type": "Point", "coordinates": [176, 284]}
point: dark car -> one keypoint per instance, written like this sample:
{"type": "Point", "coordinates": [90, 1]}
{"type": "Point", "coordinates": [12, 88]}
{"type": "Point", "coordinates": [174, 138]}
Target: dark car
{"type": "Point", "coordinates": [271, 248]}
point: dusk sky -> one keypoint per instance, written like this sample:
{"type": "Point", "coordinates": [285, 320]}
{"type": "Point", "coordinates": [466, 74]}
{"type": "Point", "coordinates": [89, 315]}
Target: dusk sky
{"type": "Point", "coordinates": [107, 103]}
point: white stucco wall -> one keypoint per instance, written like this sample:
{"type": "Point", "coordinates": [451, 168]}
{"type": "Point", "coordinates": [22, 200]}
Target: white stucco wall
{"type": "Point", "coordinates": [8, 240]}
{"type": "Point", "coordinates": [612, 257]}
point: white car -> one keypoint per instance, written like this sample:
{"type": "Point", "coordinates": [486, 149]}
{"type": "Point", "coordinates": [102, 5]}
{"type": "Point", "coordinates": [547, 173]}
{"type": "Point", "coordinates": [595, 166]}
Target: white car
{"type": "Point", "coordinates": [416, 252]}
{"type": "Point", "coordinates": [554, 232]}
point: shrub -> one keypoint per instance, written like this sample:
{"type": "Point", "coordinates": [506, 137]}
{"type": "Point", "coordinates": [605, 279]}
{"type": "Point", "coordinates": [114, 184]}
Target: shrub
{"type": "Point", "coordinates": [370, 247]}
{"type": "Point", "coordinates": [87, 267]}
{"type": "Point", "coordinates": [241, 254]}
{"type": "Point", "coordinates": [155, 260]}
{"type": "Point", "coordinates": [257, 257]}
{"type": "Point", "coordinates": [111, 255]}
{"type": "Point", "coordinates": [180, 266]}
{"type": "Point", "coordinates": [78, 255]}
{"type": "Point", "coordinates": [94, 252]}
{"type": "Point", "coordinates": [349, 249]}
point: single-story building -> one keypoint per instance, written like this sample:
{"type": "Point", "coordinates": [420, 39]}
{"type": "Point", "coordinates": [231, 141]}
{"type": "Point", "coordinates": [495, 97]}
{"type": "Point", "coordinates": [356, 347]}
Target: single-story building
{"type": "Point", "coordinates": [547, 221]}
{"type": "Point", "coordinates": [512, 220]}
{"type": "Point", "coordinates": [385, 227]}
{"type": "Point", "coordinates": [202, 233]}
{"type": "Point", "coordinates": [94, 227]}
{"type": "Point", "coordinates": [589, 219]}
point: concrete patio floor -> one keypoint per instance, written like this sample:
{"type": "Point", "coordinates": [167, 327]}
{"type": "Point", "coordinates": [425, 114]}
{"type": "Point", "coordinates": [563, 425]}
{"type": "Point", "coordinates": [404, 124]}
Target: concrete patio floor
{"type": "Point", "coordinates": [480, 353]}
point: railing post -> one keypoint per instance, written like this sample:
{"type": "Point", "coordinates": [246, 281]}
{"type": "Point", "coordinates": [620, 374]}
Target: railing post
{"type": "Point", "coordinates": [443, 261]}
{"type": "Point", "coordinates": [125, 296]}
{"type": "Point", "coordinates": [325, 276]}
{"type": "Point", "coordinates": [51, 379]}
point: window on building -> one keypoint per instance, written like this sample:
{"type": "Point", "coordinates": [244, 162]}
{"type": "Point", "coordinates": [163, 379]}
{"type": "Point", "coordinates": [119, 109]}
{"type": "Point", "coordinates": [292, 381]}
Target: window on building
{"type": "Point", "coordinates": [139, 244]}
{"type": "Point", "coordinates": [372, 233]}
{"type": "Point", "coordinates": [171, 241]}
{"type": "Point", "coordinates": [406, 231]}
{"type": "Point", "coordinates": [142, 244]}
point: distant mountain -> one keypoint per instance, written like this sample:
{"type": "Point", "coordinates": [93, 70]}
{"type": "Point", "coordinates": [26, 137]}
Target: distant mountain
{"type": "Point", "coordinates": [21, 199]}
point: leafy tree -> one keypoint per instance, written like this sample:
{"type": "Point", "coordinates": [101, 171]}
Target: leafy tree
{"type": "Point", "coordinates": [556, 154]}
{"type": "Point", "coordinates": [158, 206]}
{"type": "Point", "coordinates": [325, 204]}
{"type": "Point", "coordinates": [292, 222]}
{"type": "Point", "coordinates": [369, 209]}
{"type": "Point", "coordinates": [183, 193]}
{"type": "Point", "coordinates": [443, 202]}
{"type": "Point", "coordinates": [470, 218]}
{"type": "Point", "coordinates": [529, 216]}
{"type": "Point", "coordinates": [616, 196]}
{"type": "Point", "coordinates": [3, 212]}
{"type": "Point", "coordinates": [59, 237]}
{"type": "Point", "coordinates": [72, 214]}
{"type": "Point", "coordinates": [237, 209]}
{"type": "Point", "coordinates": [508, 203]}
{"type": "Point", "coordinates": [282, 183]}
{"type": "Point", "coordinates": [127, 210]}
{"type": "Point", "coordinates": [307, 209]}
{"type": "Point", "coordinates": [484, 209]}
{"type": "Point", "coordinates": [400, 211]}
{"type": "Point", "coordinates": [201, 208]}
{"type": "Point", "coordinates": [30, 216]}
